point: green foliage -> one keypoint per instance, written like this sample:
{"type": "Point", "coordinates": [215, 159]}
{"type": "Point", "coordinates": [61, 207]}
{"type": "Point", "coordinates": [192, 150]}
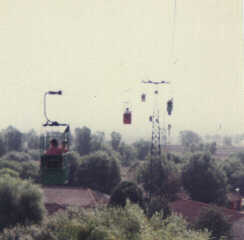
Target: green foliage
{"type": "Point", "coordinates": [97, 141]}
{"type": "Point", "coordinates": [74, 161]}
{"type": "Point", "coordinates": [227, 141]}
{"type": "Point", "coordinates": [17, 156]}
{"type": "Point", "coordinates": [115, 140]}
{"type": "Point", "coordinates": [157, 204]}
{"type": "Point", "coordinates": [234, 170]}
{"type": "Point", "coordinates": [98, 171]}
{"type": "Point", "coordinates": [13, 139]}
{"type": "Point", "coordinates": [34, 154]}
{"type": "Point", "coordinates": [83, 140]}
{"type": "Point", "coordinates": [3, 147]}
{"type": "Point", "coordinates": [20, 202]}
{"type": "Point", "coordinates": [143, 148]}
{"type": "Point", "coordinates": [216, 223]}
{"type": "Point", "coordinates": [189, 138]}
{"type": "Point", "coordinates": [32, 140]}
{"type": "Point", "coordinates": [9, 172]}
{"type": "Point", "coordinates": [16, 166]}
{"type": "Point", "coordinates": [160, 177]}
{"type": "Point", "coordinates": [126, 190]}
{"type": "Point", "coordinates": [204, 181]}
{"type": "Point", "coordinates": [125, 223]}
{"type": "Point", "coordinates": [25, 169]}
{"type": "Point", "coordinates": [30, 171]}
{"type": "Point", "coordinates": [128, 154]}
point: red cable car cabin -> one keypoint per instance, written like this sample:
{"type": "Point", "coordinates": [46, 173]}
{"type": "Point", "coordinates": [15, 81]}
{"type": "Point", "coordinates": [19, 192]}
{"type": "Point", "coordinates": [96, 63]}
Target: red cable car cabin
{"type": "Point", "coordinates": [127, 116]}
{"type": "Point", "coordinates": [143, 97]}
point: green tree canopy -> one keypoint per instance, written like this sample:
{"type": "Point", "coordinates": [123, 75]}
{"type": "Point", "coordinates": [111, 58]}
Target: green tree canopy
{"type": "Point", "coordinates": [126, 190]}
{"type": "Point", "coordinates": [20, 202]}
{"type": "Point", "coordinates": [13, 139]}
{"type": "Point", "coordinates": [217, 224]}
{"type": "Point", "coordinates": [189, 138]}
{"type": "Point", "coordinates": [98, 171]}
{"type": "Point", "coordinates": [143, 148]}
{"type": "Point", "coordinates": [115, 140]}
{"type": "Point", "coordinates": [83, 140]}
{"type": "Point", "coordinates": [203, 180]}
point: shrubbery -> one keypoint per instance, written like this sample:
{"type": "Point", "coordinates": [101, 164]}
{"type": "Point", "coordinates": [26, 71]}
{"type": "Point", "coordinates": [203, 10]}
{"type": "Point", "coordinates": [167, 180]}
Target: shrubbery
{"type": "Point", "coordinates": [20, 202]}
{"type": "Point", "coordinates": [98, 171]}
{"type": "Point", "coordinates": [126, 190]}
{"type": "Point", "coordinates": [216, 223]}
{"type": "Point", "coordinates": [204, 181]}
{"type": "Point", "coordinates": [160, 177]}
{"type": "Point", "coordinates": [127, 223]}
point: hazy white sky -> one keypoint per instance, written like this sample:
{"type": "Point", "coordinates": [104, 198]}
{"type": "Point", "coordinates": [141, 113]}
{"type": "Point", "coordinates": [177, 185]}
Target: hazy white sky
{"type": "Point", "coordinates": [98, 52]}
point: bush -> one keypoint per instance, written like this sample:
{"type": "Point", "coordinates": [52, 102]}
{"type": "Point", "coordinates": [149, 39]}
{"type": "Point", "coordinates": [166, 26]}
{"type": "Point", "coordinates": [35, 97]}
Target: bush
{"type": "Point", "coordinates": [161, 178]}
{"type": "Point", "coordinates": [20, 202]}
{"type": "Point", "coordinates": [98, 171]}
{"type": "Point", "coordinates": [9, 172]}
{"type": "Point", "coordinates": [74, 161]}
{"type": "Point", "coordinates": [112, 223]}
{"type": "Point", "coordinates": [31, 171]}
{"type": "Point", "coordinates": [34, 154]}
{"type": "Point", "coordinates": [204, 181]}
{"type": "Point", "coordinates": [17, 156]}
{"type": "Point", "coordinates": [16, 166]}
{"type": "Point", "coordinates": [159, 205]}
{"type": "Point", "coordinates": [126, 190]}
{"type": "Point", "coordinates": [216, 223]}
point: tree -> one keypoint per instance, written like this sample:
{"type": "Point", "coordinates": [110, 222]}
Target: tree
{"type": "Point", "coordinates": [13, 139]}
{"type": "Point", "coordinates": [3, 148]}
{"type": "Point", "coordinates": [160, 178]}
{"type": "Point", "coordinates": [98, 171]}
{"type": "Point", "coordinates": [189, 138]}
{"type": "Point", "coordinates": [126, 190]}
{"type": "Point", "coordinates": [217, 224]}
{"type": "Point", "coordinates": [157, 204]}
{"type": "Point", "coordinates": [115, 140]}
{"type": "Point", "coordinates": [227, 141]}
{"type": "Point", "coordinates": [234, 170]}
{"type": "Point", "coordinates": [97, 141]}
{"type": "Point", "coordinates": [32, 139]}
{"type": "Point", "coordinates": [204, 181]}
{"type": "Point", "coordinates": [143, 148]}
{"type": "Point", "coordinates": [128, 154]}
{"type": "Point", "coordinates": [20, 202]}
{"type": "Point", "coordinates": [83, 140]}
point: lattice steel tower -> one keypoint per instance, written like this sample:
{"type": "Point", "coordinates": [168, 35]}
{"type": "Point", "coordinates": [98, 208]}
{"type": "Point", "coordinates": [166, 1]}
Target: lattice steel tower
{"type": "Point", "coordinates": [155, 119]}
{"type": "Point", "coordinates": [155, 159]}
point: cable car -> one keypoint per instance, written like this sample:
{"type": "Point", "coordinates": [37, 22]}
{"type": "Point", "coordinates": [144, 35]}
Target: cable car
{"type": "Point", "coordinates": [170, 106]}
{"type": "Point", "coordinates": [54, 166]}
{"type": "Point", "coordinates": [127, 116]}
{"type": "Point", "coordinates": [143, 97]}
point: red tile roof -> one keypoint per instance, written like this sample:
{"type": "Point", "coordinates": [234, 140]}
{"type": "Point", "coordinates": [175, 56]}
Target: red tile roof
{"type": "Point", "coordinates": [191, 210]}
{"type": "Point", "coordinates": [63, 196]}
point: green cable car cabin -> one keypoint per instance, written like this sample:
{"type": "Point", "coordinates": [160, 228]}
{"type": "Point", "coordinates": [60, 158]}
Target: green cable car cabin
{"type": "Point", "coordinates": [54, 165]}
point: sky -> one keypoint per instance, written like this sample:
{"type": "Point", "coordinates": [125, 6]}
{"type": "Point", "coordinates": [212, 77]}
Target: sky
{"type": "Point", "coordinates": [98, 52]}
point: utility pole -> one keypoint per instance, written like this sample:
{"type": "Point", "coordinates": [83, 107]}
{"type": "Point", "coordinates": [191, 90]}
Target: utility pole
{"type": "Point", "coordinates": [156, 138]}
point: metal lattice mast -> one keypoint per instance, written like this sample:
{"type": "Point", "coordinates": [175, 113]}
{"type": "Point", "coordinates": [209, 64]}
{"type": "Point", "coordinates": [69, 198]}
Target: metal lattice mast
{"type": "Point", "coordinates": [156, 141]}
{"type": "Point", "coordinates": [156, 133]}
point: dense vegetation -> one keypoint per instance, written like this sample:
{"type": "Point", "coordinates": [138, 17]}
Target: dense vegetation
{"type": "Point", "coordinates": [106, 224]}
{"type": "Point", "coordinates": [123, 170]}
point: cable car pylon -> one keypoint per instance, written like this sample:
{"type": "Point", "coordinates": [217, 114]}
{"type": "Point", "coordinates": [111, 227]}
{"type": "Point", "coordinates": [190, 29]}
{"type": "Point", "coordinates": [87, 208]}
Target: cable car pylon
{"type": "Point", "coordinates": [156, 130]}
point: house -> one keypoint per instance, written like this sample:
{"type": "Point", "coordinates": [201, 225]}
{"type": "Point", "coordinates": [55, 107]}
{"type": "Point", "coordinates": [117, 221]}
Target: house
{"type": "Point", "coordinates": [61, 197]}
{"type": "Point", "coordinates": [191, 210]}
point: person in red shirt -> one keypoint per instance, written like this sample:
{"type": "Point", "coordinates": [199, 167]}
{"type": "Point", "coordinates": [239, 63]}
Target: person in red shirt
{"type": "Point", "coordinates": [63, 147]}
{"type": "Point", "coordinates": [54, 149]}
